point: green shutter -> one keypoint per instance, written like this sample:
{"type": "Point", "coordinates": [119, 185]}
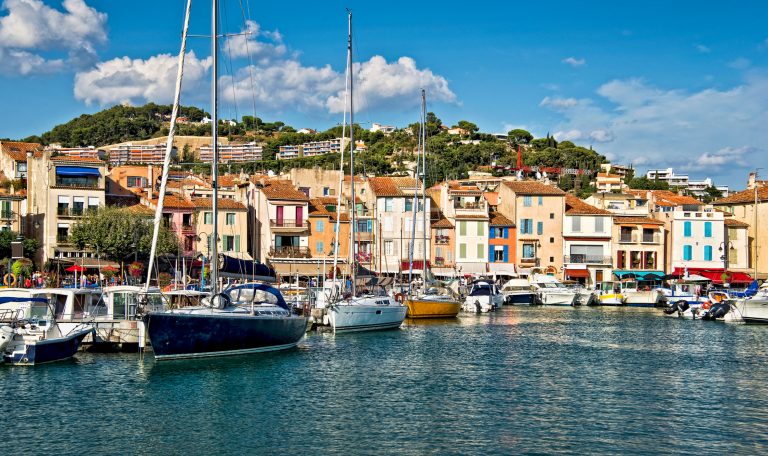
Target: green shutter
{"type": "Point", "coordinates": [237, 243]}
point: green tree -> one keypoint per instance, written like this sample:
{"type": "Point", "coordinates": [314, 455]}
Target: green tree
{"type": "Point", "coordinates": [6, 237]}
{"type": "Point", "coordinates": [519, 136]}
{"type": "Point", "coordinates": [118, 233]}
{"type": "Point", "coordinates": [470, 127]}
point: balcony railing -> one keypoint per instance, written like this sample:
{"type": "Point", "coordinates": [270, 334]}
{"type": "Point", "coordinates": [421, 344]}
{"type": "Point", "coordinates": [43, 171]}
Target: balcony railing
{"type": "Point", "coordinates": [289, 224]}
{"type": "Point", "coordinates": [587, 259]}
{"type": "Point", "coordinates": [650, 239]}
{"type": "Point", "coordinates": [78, 184]}
{"type": "Point", "coordinates": [442, 240]}
{"type": "Point", "coordinates": [72, 211]}
{"type": "Point", "coordinates": [289, 252]}
{"type": "Point", "coordinates": [627, 239]}
{"type": "Point", "coordinates": [184, 228]}
{"type": "Point", "coordinates": [62, 240]}
{"type": "Point", "coordinates": [5, 215]}
{"type": "Point", "coordinates": [478, 206]}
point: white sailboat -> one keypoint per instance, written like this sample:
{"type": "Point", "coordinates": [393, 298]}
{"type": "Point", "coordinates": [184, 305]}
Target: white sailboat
{"type": "Point", "coordinates": [366, 312]}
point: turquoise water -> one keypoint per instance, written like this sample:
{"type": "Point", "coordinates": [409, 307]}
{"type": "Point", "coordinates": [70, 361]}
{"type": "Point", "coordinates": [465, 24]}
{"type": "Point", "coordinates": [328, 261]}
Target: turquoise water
{"type": "Point", "coordinates": [524, 380]}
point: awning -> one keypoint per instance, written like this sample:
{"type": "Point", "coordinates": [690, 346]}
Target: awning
{"type": "Point", "coordinates": [444, 272]}
{"type": "Point", "coordinates": [89, 263]}
{"type": "Point", "coordinates": [305, 269]}
{"type": "Point", "coordinates": [471, 268]}
{"type": "Point", "coordinates": [505, 269]}
{"type": "Point", "coordinates": [716, 275]}
{"type": "Point", "coordinates": [405, 265]}
{"type": "Point", "coordinates": [639, 274]}
{"type": "Point", "coordinates": [76, 171]}
{"type": "Point", "coordinates": [577, 273]}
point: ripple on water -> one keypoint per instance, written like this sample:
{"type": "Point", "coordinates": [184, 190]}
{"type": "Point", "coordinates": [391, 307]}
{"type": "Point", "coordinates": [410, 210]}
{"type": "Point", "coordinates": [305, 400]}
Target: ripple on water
{"type": "Point", "coordinates": [522, 380]}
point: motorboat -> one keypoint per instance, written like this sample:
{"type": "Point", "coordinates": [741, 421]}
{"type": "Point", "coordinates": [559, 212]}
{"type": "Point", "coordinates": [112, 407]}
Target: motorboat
{"type": "Point", "coordinates": [35, 336]}
{"type": "Point", "coordinates": [247, 318]}
{"type": "Point", "coordinates": [517, 292]}
{"type": "Point", "coordinates": [683, 295]}
{"type": "Point", "coordinates": [584, 296]}
{"type": "Point", "coordinates": [484, 296]}
{"type": "Point", "coordinates": [552, 292]}
{"type": "Point", "coordinates": [634, 296]}
{"type": "Point", "coordinates": [754, 309]}
{"type": "Point", "coordinates": [609, 293]}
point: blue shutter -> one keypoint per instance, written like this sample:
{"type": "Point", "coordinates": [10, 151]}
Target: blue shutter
{"type": "Point", "coordinates": [708, 252]}
{"type": "Point", "coordinates": [687, 252]}
{"type": "Point", "coordinates": [506, 254]}
{"type": "Point", "coordinates": [687, 229]}
{"type": "Point", "coordinates": [370, 226]}
{"type": "Point", "coordinates": [506, 233]}
{"type": "Point", "coordinates": [491, 233]}
{"type": "Point", "coordinates": [708, 229]}
{"type": "Point", "coordinates": [490, 253]}
{"type": "Point", "coordinates": [540, 228]}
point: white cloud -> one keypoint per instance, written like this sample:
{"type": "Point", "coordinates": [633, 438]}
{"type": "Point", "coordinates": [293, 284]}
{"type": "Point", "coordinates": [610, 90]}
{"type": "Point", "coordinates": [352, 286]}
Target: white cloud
{"type": "Point", "coordinates": [740, 63]}
{"type": "Point", "coordinates": [714, 130]}
{"type": "Point", "coordinates": [703, 49]}
{"type": "Point", "coordinates": [276, 80]}
{"type": "Point", "coordinates": [559, 103]}
{"type": "Point", "coordinates": [570, 135]}
{"type": "Point", "coordinates": [574, 62]}
{"type": "Point", "coordinates": [262, 51]}
{"type": "Point", "coordinates": [130, 81]}
{"type": "Point", "coordinates": [32, 31]}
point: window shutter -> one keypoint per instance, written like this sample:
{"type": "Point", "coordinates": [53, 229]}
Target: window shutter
{"type": "Point", "coordinates": [491, 250]}
{"type": "Point", "coordinates": [506, 254]}
{"type": "Point", "coordinates": [540, 228]}
{"type": "Point", "coordinates": [237, 243]}
{"type": "Point", "coordinates": [492, 233]}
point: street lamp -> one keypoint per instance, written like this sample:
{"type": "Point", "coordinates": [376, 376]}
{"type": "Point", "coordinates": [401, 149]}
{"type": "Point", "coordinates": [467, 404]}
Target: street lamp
{"type": "Point", "coordinates": [727, 246]}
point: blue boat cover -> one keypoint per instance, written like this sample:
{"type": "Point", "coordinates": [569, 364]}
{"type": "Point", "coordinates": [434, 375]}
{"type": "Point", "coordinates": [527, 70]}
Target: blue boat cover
{"type": "Point", "coordinates": [76, 171]}
{"type": "Point", "coordinates": [248, 269]}
{"type": "Point", "coordinates": [261, 287]}
{"type": "Point", "coordinates": [7, 299]}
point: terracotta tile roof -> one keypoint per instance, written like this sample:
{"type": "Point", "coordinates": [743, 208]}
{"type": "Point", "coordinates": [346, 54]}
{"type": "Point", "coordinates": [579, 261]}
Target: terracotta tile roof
{"type": "Point", "coordinates": [666, 198]}
{"type": "Point", "coordinates": [18, 150]}
{"type": "Point", "coordinates": [121, 200]}
{"type": "Point", "coordinates": [575, 206]}
{"type": "Point", "coordinates": [384, 186]}
{"type": "Point", "coordinates": [224, 203]}
{"type": "Point", "coordinates": [229, 180]}
{"type": "Point", "coordinates": [471, 216]}
{"type": "Point", "coordinates": [744, 197]}
{"type": "Point", "coordinates": [492, 198]}
{"type": "Point", "coordinates": [405, 182]}
{"type": "Point", "coordinates": [442, 223]}
{"type": "Point", "coordinates": [140, 209]}
{"type": "Point", "coordinates": [317, 208]}
{"type": "Point", "coordinates": [497, 219]}
{"type": "Point", "coordinates": [172, 201]}
{"type": "Point", "coordinates": [68, 159]}
{"type": "Point", "coordinates": [283, 190]}
{"type": "Point", "coordinates": [733, 223]}
{"type": "Point", "coordinates": [532, 188]}
{"type": "Point", "coordinates": [637, 221]}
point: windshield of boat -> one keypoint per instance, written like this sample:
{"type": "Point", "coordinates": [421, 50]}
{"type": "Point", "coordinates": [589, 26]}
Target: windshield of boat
{"type": "Point", "coordinates": [250, 295]}
{"type": "Point", "coordinates": [552, 285]}
{"type": "Point", "coordinates": [481, 289]}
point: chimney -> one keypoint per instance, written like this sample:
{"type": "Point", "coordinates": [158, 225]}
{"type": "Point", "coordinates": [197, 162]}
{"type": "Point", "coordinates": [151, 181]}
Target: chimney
{"type": "Point", "coordinates": [150, 179]}
{"type": "Point", "coordinates": [752, 181]}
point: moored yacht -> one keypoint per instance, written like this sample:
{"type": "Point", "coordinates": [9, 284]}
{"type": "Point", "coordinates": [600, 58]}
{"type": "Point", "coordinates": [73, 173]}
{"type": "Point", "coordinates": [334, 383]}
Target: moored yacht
{"type": "Point", "coordinates": [484, 296]}
{"type": "Point", "coordinates": [552, 292]}
{"type": "Point", "coordinates": [517, 292]}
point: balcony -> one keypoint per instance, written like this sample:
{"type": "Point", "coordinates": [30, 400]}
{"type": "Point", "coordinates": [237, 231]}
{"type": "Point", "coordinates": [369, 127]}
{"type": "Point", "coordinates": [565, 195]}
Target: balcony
{"type": "Point", "coordinates": [62, 240]}
{"type": "Point", "coordinates": [469, 208]}
{"type": "Point", "coordinates": [288, 226]}
{"type": "Point", "coordinates": [653, 239]}
{"type": "Point", "coordinates": [442, 240]}
{"type": "Point", "coordinates": [530, 261]}
{"type": "Point", "coordinates": [289, 252]}
{"type": "Point", "coordinates": [632, 239]}
{"type": "Point", "coordinates": [184, 228]}
{"type": "Point", "coordinates": [365, 236]}
{"type": "Point", "coordinates": [6, 215]}
{"type": "Point", "coordinates": [71, 211]}
{"type": "Point", "coordinates": [587, 259]}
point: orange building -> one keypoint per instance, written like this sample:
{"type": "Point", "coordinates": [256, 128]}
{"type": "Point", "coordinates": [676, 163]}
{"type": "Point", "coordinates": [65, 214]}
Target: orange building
{"type": "Point", "coordinates": [322, 226]}
{"type": "Point", "coordinates": [443, 244]}
{"type": "Point", "coordinates": [502, 244]}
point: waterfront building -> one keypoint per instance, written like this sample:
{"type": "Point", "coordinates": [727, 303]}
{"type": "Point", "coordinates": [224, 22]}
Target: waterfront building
{"type": "Point", "coordinates": [322, 237]}
{"type": "Point", "coordinates": [13, 158]}
{"type": "Point", "coordinates": [537, 210]}
{"type": "Point", "coordinates": [637, 246]}
{"type": "Point", "coordinates": [502, 244]}
{"type": "Point", "coordinates": [735, 245]}
{"type": "Point", "coordinates": [466, 209]}
{"type": "Point", "coordinates": [750, 206]}
{"type": "Point", "coordinates": [13, 211]}
{"type": "Point", "coordinates": [586, 242]}
{"type": "Point", "coordinates": [443, 248]}
{"type": "Point", "coordinates": [232, 224]}
{"type": "Point", "coordinates": [179, 216]}
{"type": "Point", "coordinates": [129, 181]}
{"type": "Point", "coordinates": [61, 190]}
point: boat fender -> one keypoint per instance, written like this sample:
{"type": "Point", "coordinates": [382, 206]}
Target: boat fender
{"type": "Point", "coordinates": [9, 280]}
{"type": "Point", "coordinates": [399, 297]}
{"type": "Point", "coordinates": [706, 305]}
{"type": "Point", "coordinates": [478, 307]}
{"type": "Point", "coordinates": [220, 301]}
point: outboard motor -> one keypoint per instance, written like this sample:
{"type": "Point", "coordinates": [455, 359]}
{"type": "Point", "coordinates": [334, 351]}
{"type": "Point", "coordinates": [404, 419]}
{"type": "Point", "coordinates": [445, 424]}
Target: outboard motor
{"type": "Point", "coordinates": [478, 307]}
{"type": "Point", "coordinates": [719, 310]}
{"type": "Point", "coordinates": [671, 308]}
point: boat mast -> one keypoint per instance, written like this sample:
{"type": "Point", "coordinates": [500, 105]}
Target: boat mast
{"type": "Point", "coordinates": [351, 153]}
{"type": "Point", "coordinates": [427, 252]}
{"type": "Point", "coordinates": [168, 149]}
{"type": "Point", "coordinates": [414, 210]}
{"type": "Point", "coordinates": [215, 148]}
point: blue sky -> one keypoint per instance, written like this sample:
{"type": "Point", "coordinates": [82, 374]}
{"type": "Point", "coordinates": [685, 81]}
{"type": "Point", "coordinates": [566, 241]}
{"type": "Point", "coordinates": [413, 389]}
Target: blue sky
{"type": "Point", "coordinates": [682, 84]}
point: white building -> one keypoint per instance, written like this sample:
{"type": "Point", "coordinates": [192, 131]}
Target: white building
{"type": "Point", "coordinates": [587, 246]}
{"type": "Point", "coordinates": [683, 182]}
{"type": "Point", "coordinates": [150, 154]}
{"type": "Point", "coordinates": [386, 129]}
{"type": "Point", "coordinates": [233, 153]}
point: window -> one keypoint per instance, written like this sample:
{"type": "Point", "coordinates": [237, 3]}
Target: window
{"type": "Point", "coordinates": [551, 259]}
{"type": "Point", "coordinates": [551, 215]}
{"type": "Point", "coordinates": [687, 229]}
{"type": "Point", "coordinates": [320, 247]}
{"type": "Point", "coordinates": [625, 234]}
{"type": "Point", "coordinates": [576, 224]}
{"type": "Point", "coordinates": [551, 240]}
{"type": "Point", "coordinates": [389, 248]}
{"type": "Point", "coordinates": [480, 251]}
{"type": "Point", "coordinates": [320, 226]}
{"type": "Point", "coordinates": [231, 243]}
{"type": "Point", "coordinates": [463, 228]}
{"type": "Point", "coordinates": [366, 226]}
{"type": "Point", "coordinates": [527, 201]}
{"type": "Point", "coordinates": [499, 253]}
{"type": "Point", "coordinates": [388, 204]}
{"type": "Point", "coordinates": [135, 181]}
{"type": "Point", "coordinates": [462, 251]}
{"type": "Point", "coordinates": [409, 205]}
{"type": "Point", "coordinates": [707, 229]}
{"type": "Point", "coordinates": [208, 218]}
{"type": "Point", "coordinates": [230, 218]}
{"type": "Point", "coordinates": [529, 251]}
{"type": "Point", "coordinates": [687, 252]}
{"type": "Point", "coordinates": [539, 228]}
{"type": "Point", "coordinates": [541, 200]}
{"type": "Point", "coordinates": [621, 259]}
{"type": "Point", "coordinates": [326, 191]}
{"type": "Point", "coordinates": [78, 203]}
{"type": "Point", "coordinates": [599, 226]}
{"type": "Point", "coordinates": [526, 226]}
{"type": "Point", "coordinates": [708, 252]}
{"type": "Point", "coordinates": [93, 202]}
{"type": "Point", "coordinates": [481, 228]}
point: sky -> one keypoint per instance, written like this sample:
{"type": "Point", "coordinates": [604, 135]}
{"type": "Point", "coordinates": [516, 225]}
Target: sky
{"type": "Point", "coordinates": [679, 84]}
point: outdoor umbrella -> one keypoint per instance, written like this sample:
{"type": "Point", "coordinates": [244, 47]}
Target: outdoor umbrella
{"type": "Point", "coordinates": [629, 275]}
{"type": "Point", "coordinates": [670, 276]}
{"type": "Point", "coordinates": [75, 268]}
{"type": "Point", "coordinates": [109, 268]}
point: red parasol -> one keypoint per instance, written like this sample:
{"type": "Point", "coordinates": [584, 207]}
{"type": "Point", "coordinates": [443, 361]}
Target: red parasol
{"type": "Point", "coordinates": [109, 268]}
{"type": "Point", "coordinates": [75, 268]}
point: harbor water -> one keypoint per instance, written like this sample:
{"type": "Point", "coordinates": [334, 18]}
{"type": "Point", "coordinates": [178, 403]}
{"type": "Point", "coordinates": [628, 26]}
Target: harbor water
{"type": "Point", "coordinates": [522, 380]}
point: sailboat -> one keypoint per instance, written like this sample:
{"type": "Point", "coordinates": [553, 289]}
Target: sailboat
{"type": "Point", "coordinates": [368, 311]}
{"type": "Point", "coordinates": [243, 319]}
{"type": "Point", "coordinates": [431, 301]}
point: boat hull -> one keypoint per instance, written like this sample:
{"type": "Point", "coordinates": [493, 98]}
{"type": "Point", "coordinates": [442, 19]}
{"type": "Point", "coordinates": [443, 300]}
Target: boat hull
{"type": "Point", "coordinates": [361, 317]}
{"type": "Point", "coordinates": [754, 311]}
{"type": "Point", "coordinates": [44, 351]}
{"type": "Point", "coordinates": [183, 335]}
{"type": "Point", "coordinates": [425, 308]}
{"type": "Point", "coordinates": [520, 299]}
{"type": "Point", "coordinates": [652, 298]}
{"type": "Point", "coordinates": [557, 299]}
{"type": "Point", "coordinates": [611, 299]}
